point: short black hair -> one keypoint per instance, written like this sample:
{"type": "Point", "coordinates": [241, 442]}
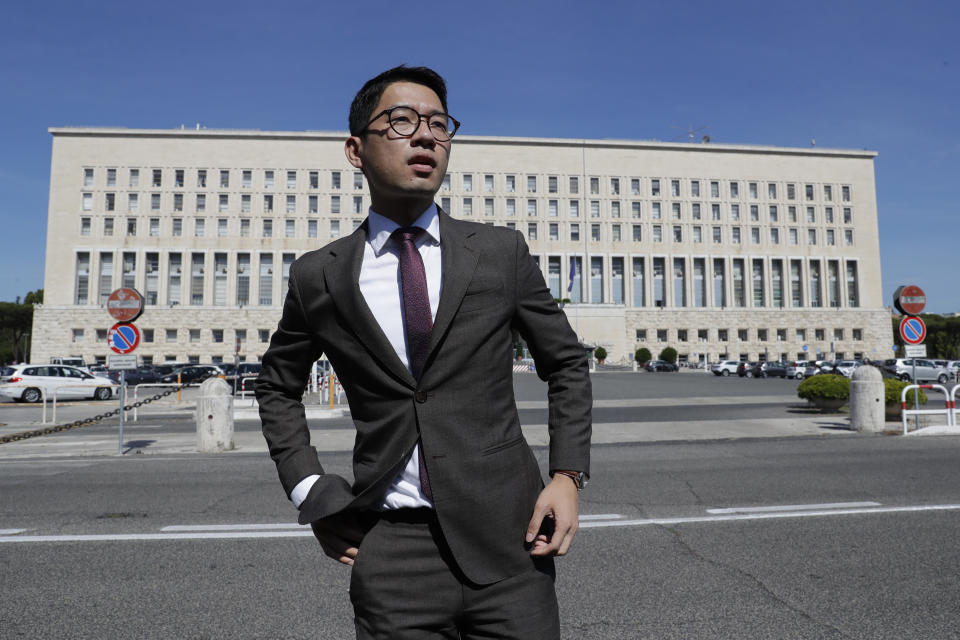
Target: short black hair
{"type": "Point", "coordinates": [361, 109]}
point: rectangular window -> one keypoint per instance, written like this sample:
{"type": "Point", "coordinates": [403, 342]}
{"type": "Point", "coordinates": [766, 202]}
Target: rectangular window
{"type": "Point", "coordinates": [594, 208]}
{"type": "Point", "coordinates": [816, 299]}
{"type": "Point", "coordinates": [221, 227]}
{"type": "Point", "coordinates": [511, 207]}
{"type": "Point", "coordinates": [554, 231]}
{"type": "Point", "coordinates": [677, 233]}
{"type": "Point", "coordinates": [334, 228]}
{"type": "Point", "coordinates": [719, 283]}
{"type": "Point", "coordinates": [774, 235]}
{"type": "Point", "coordinates": [853, 287]}
{"type": "Point", "coordinates": [291, 179]}
{"type": "Point", "coordinates": [220, 279]}
{"type": "Point", "coordinates": [594, 186]}
{"type": "Point", "coordinates": [532, 231]}
{"type": "Point", "coordinates": [81, 295]}
{"type": "Point", "coordinates": [845, 193]}
{"type": "Point", "coordinates": [201, 202]}
{"type": "Point", "coordinates": [84, 226]}
{"type": "Point", "coordinates": [793, 236]}
{"type": "Point", "coordinates": [675, 188]}
{"type": "Point", "coordinates": [759, 299]}
{"type": "Point", "coordinates": [735, 235]}
{"type": "Point", "coordinates": [615, 186]}
{"type": "Point", "coordinates": [659, 291]}
{"type": "Point", "coordinates": [335, 179]}
{"type": "Point", "coordinates": [199, 227]}
{"type": "Point", "coordinates": [287, 259]}
{"type": "Point", "coordinates": [657, 233]}
{"type": "Point", "coordinates": [131, 227]}
{"type": "Point", "coordinates": [828, 215]}
{"type": "Point", "coordinates": [595, 232]}
{"type": "Point", "coordinates": [827, 193]}
{"type": "Point", "coordinates": [488, 207]}
{"type": "Point", "coordinates": [225, 178]}
{"type": "Point", "coordinates": [714, 189]}
{"type": "Point", "coordinates": [675, 209]}
{"type": "Point", "coordinates": [246, 178]}
{"type": "Point", "coordinates": [243, 279]}
{"type": "Point", "coordinates": [695, 211]}
{"type": "Point", "coordinates": [511, 184]}
{"type": "Point", "coordinates": [157, 177]}
{"type": "Point", "coordinates": [291, 204]}
{"type": "Point", "coordinates": [174, 276]}
{"type": "Point", "coordinates": [655, 187]}
{"type": "Point", "coordinates": [574, 185]}
{"type": "Point", "coordinates": [699, 283]}
{"type": "Point", "coordinates": [468, 206]}
{"type": "Point", "coordinates": [171, 335]}
{"type": "Point", "coordinates": [488, 183]}
{"type": "Point", "coordinates": [596, 280]}
{"type": "Point", "coordinates": [224, 203]}
{"type": "Point", "coordinates": [697, 234]}
{"type": "Point", "coordinates": [616, 233]}
{"type": "Point", "coordinates": [574, 232]}
{"type": "Point", "coordinates": [753, 191]}
{"type": "Point", "coordinates": [754, 213]}
{"type": "Point", "coordinates": [554, 277]}
{"type": "Point", "coordinates": [808, 191]}
{"type": "Point", "coordinates": [334, 204]}
{"type": "Point", "coordinates": [358, 204]}
{"type": "Point", "coordinates": [152, 277]}
{"type": "Point", "coordinates": [734, 212]}
{"type": "Point", "coordinates": [717, 235]}
{"type": "Point", "coordinates": [311, 228]}
{"type": "Point", "coordinates": [639, 298]}
{"type": "Point", "coordinates": [755, 235]}
{"type": "Point", "coordinates": [154, 202]}
{"type": "Point", "coordinates": [635, 186]}
{"type": "Point", "coordinates": [267, 228]}
{"type": "Point", "coordinates": [290, 228]}
{"type": "Point", "coordinates": [244, 228]}
{"type": "Point", "coordinates": [358, 180]}
{"type": "Point", "coordinates": [833, 283]}
{"type": "Point", "coordinates": [574, 208]}
{"type": "Point", "coordinates": [776, 282]}
{"type": "Point", "coordinates": [791, 191]}
{"type": "Point", "coordinates": [134, 177]}
{"type": "Point", "coordinates": [615, 209]}
{"type": "Point", "coordinates": [532, 208]}
{"type": "Point", "coordinates": [734, 190]}
{"type": "Point", "coordinates": [796, 283]}
{"type": "Point", "coordinates": [771, 191]}
{"type": "Point", "coordinates": [532, 184]}
{"type": "Point", "coordinates": [108, 227]}
{"type": "Point", "coordinates": [154, 227]}
{"type": "Point", "coordinates": [739, 292]}
{"type": "Point", "coordinates": [695, 188]}
{"type": "Point", "coordinates": [133, 202]}
{"type": "Point", "coordinates": [268, 179]}
{"type": "Point", "coordinates": [314, 177]}
{"type": "Point", "coordinates": [831, 238]}
{"type": "Point", "coordinates": [811, 236]}
{"type": "Point", "coordinates": [637, 233]}
{"type": "Point", "coordinates": [201, 178]}
{"type": "Point", "coordinates": [177, 227]}
{"type": "Point", "coordinates": [196, 278]}
{"type": "Point", "coordinates": [265, 297]}
{"type": "Point", "coordinates": [715, 212]}
{"type": "Point", "coordinates": [553, 208]}
{"type": "Point", "coordinates": [848, 237]}
{"type": "Point", "coordinates": [655, 212]}
{"type": "Point", "coordinates": [468, 182]}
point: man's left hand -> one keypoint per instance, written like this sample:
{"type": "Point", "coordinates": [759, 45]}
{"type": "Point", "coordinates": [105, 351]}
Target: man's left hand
{"type": "Point", "coordinates": [558, 501]}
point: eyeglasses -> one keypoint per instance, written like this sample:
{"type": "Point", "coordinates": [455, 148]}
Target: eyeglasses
{"type": "Point", "coordinates": [405, 122]}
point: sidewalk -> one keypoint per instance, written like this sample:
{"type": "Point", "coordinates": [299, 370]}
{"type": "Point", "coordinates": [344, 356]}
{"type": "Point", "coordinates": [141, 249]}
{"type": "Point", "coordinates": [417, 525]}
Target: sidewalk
{"type": "Point", "coordinates": [149, 438]}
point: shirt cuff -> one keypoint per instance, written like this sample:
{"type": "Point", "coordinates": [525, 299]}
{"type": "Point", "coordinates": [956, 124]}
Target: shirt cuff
{"type": "Point", "coordinates": [299, 493]}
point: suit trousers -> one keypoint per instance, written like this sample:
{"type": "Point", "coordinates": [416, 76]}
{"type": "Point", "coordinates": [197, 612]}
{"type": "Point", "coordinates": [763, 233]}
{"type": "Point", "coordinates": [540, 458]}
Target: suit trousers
{"type": "Point", "coordinates": [405, 585]}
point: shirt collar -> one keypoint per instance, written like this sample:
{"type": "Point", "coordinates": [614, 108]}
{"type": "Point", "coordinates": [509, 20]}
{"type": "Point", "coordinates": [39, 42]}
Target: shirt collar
{"type": "Point", "coordinates": [380, 227]}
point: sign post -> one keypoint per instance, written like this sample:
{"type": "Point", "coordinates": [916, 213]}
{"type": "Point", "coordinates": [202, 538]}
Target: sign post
{"type": "Point", "coordinates": [910, 301]}
{"type": "Point", "coordinates": [124, 305]}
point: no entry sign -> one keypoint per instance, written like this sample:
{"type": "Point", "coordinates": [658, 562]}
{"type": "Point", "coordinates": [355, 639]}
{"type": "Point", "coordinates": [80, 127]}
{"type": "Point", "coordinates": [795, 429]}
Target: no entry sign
{"type": "Point", "coordinates": [909, 300]}
{"type": "Point", "coordinates": [123, 337]}
{"type": "Point", "coordinates": [913, 330]}
{"type": "Point", "coordinates": [125, 304]}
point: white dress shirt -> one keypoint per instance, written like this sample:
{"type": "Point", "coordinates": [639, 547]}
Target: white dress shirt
{"type": "Point", "coordinates": [380, 287]}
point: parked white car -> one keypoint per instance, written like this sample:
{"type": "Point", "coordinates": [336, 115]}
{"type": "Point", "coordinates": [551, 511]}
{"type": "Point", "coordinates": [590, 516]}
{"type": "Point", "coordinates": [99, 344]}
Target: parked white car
{"type": "Point", "coordinates": [31, 382]}
{"type": "Point", "coordinates": [725, 368]}
{"type": "Point", "coordinates": [847, 367]}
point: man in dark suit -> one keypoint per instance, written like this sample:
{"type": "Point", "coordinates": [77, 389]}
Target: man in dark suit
{"type": "Point", "coordinates": [448, 526]}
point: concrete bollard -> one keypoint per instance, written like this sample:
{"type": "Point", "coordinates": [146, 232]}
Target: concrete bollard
{"type": "Point", "coordinates": [214, 416]}
{"type": "Point", "coordinates": [867, 410]}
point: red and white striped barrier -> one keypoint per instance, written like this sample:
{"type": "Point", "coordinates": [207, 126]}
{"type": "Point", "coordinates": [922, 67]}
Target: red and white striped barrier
{"type": "Point", "coordinates": [948, 410]}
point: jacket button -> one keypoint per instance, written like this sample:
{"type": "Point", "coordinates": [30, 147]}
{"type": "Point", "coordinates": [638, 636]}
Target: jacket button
{"type": "Point", "coordinates": [420, 396]}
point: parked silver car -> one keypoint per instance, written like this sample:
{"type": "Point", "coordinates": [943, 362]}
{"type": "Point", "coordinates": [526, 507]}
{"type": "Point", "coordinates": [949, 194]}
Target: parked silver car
{"type": "Point", "coordinates": [927, 371]}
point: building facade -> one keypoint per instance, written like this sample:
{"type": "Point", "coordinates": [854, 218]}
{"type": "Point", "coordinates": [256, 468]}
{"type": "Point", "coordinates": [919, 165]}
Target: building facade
{"type": "Point", "coordinates": [719, 251]}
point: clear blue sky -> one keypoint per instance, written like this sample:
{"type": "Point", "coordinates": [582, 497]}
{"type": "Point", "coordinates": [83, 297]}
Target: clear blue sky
{"type": "Point", "coordinates": [878, 75]}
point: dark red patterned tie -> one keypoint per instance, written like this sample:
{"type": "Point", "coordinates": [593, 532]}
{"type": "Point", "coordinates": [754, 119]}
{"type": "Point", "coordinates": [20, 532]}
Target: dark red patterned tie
{"type": "Point", "coordinates": [418, 320]}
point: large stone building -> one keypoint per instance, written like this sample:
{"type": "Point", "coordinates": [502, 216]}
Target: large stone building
{"type": "Point", "coordinates": [720, 251]}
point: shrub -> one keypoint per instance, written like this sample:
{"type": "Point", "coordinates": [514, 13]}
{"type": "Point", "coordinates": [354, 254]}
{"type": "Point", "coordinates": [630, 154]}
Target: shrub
{"type": "Point", "coordinates": [830, 386]}
{"type": "Point", "coordinates": [892, 389]}
{"type": "Point", "coordinates": [643, 355]}
{"type": "Point", "coordinates": [669, 354]}
{"type": "Point", "coordinates": [600, 353]}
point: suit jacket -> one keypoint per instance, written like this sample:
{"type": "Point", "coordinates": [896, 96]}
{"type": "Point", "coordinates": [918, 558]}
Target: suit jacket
{"type": "Point", "coordinates": [483, 475]}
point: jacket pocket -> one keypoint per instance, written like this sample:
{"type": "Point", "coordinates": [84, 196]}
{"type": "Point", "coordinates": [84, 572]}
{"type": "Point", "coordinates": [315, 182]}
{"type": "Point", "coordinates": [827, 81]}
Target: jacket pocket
{"type": "Point", "coordinates": [503, 445]}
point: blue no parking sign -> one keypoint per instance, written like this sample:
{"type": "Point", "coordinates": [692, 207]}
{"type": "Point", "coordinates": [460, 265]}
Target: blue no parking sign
{"type": "Point", "coordinates": [123, 337]}
{"type": "Point", "coordinates": [913, 330]}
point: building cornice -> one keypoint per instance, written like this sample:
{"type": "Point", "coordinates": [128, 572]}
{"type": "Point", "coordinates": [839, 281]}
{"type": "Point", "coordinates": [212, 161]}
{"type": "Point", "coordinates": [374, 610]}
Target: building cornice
{"type": "Point", "coordinates": [464, 140]}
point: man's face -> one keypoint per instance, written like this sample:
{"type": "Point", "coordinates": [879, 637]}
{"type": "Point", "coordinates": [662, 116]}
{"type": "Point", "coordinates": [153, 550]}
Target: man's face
{"type": "Point", "coordinates": [403, 172]}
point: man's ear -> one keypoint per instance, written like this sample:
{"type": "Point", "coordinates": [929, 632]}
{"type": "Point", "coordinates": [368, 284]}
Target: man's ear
{"type": "Point", "coordinates": [352, 148]}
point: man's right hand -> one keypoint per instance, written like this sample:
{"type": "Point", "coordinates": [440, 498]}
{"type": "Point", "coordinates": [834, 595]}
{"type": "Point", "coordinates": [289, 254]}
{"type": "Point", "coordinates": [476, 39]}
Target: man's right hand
{"type": "Point", "coordinates": [339, 536]}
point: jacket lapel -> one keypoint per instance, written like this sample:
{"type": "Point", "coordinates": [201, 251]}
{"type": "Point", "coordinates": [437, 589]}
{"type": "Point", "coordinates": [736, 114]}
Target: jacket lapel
{"type": "Point", "coordinates": [342, 278]}
{"type": "Point", "coordinates": [459, 262]}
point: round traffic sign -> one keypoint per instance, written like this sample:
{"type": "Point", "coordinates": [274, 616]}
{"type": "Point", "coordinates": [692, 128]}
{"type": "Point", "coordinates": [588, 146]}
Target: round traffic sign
{"type": "Point", "coordinates": [910, 300]}
{"type": "Point", "coordinates": [125, 304]}
{"type": "Point", "coordinates": [123, 337]}
{"type": "Point", "coordinates": [913, 330]}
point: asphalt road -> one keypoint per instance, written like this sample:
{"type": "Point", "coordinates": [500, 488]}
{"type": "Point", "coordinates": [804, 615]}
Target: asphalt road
{"type": "Point", "coordinates": [657, 561]}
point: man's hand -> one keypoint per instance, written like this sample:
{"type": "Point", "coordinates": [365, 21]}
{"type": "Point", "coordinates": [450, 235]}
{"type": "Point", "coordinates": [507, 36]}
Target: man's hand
{"type": "Point", "coordinates": [339, 536]}
{"type": "Point", "coordinates": [558, 501]}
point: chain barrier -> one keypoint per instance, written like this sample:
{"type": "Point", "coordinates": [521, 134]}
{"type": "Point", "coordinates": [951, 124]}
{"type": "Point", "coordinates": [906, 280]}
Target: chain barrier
{"type": "Point", "coordinates": [100, 417]}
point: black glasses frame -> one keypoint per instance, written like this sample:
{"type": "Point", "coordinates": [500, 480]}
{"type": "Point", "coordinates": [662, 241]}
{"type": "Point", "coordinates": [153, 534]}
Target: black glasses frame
{"type": "Point", "coordinates": [420, 118]}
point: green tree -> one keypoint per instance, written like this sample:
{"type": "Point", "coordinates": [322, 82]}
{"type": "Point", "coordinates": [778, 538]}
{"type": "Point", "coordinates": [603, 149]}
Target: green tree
{"type": "Point", "coordinates": [600, 354]}
{"type": "Point", "coordinates": [643, 355]}
{"type": "Point", "coordinates": [16, 320]}
{"type": "Point", "coordinates": [669, 354]}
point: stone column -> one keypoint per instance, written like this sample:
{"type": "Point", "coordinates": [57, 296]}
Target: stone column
{"type": "Point", "coordinates": [867, 411]}
{"type": "Point", "coordinates": [214, 416]}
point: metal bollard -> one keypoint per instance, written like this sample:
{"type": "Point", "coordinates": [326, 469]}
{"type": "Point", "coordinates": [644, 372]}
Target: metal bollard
{"type": "Point", "coordinates": [214, 416]}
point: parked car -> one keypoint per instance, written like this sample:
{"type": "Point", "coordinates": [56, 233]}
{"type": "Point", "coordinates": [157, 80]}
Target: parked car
{"type": "Point", "coordinates": [30, 382]}
{"type": "Point", "coordinates": [143, 374]}
{"type": "Point", "coordinates": [903, 369]}
{"type": "Point", "coordinates": [661, 365]}
{"type": "Point", "coordinates": [772, 370]}
{"type": "Point", "coordinates": [241, 377]}
{"type": "Point", "coordinates": [847, 367]}
{"type": "Point", "coordinates": [746, 369]}
{"type": "Point", "coordinates": [725, 368]}
{"type": "Point", "coordinates": [192, 373]}
{"type": "Point", "coordinates": [800, 369]}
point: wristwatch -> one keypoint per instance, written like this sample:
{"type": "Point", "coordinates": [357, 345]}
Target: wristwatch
{"type": "Point", "coordinates": [579, 478]}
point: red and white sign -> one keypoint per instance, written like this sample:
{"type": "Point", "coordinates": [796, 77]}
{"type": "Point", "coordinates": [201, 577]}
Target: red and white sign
{"type": "Point", "coordinates": [123, 337]}
{"type": "Point", "coordinates": [913, 330]}
{"type": "Point", "coordinates": [125, 304]}
{"type": "Point", "coordinates": [910, 300]}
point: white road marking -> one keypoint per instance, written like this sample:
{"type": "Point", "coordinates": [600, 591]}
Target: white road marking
{"type": "Point", "coordinates": [241, 531]}
{"type": "Point", "coordinates": [772, 516]}
{"type": "Point", "coordinates": [11, 532]}
{"type": "Point", "coordinates": [234, 527]}
{"type": "Point", "coordinates": [795, 507]}
{"type": "Point", "coordinates": [600, 516]}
